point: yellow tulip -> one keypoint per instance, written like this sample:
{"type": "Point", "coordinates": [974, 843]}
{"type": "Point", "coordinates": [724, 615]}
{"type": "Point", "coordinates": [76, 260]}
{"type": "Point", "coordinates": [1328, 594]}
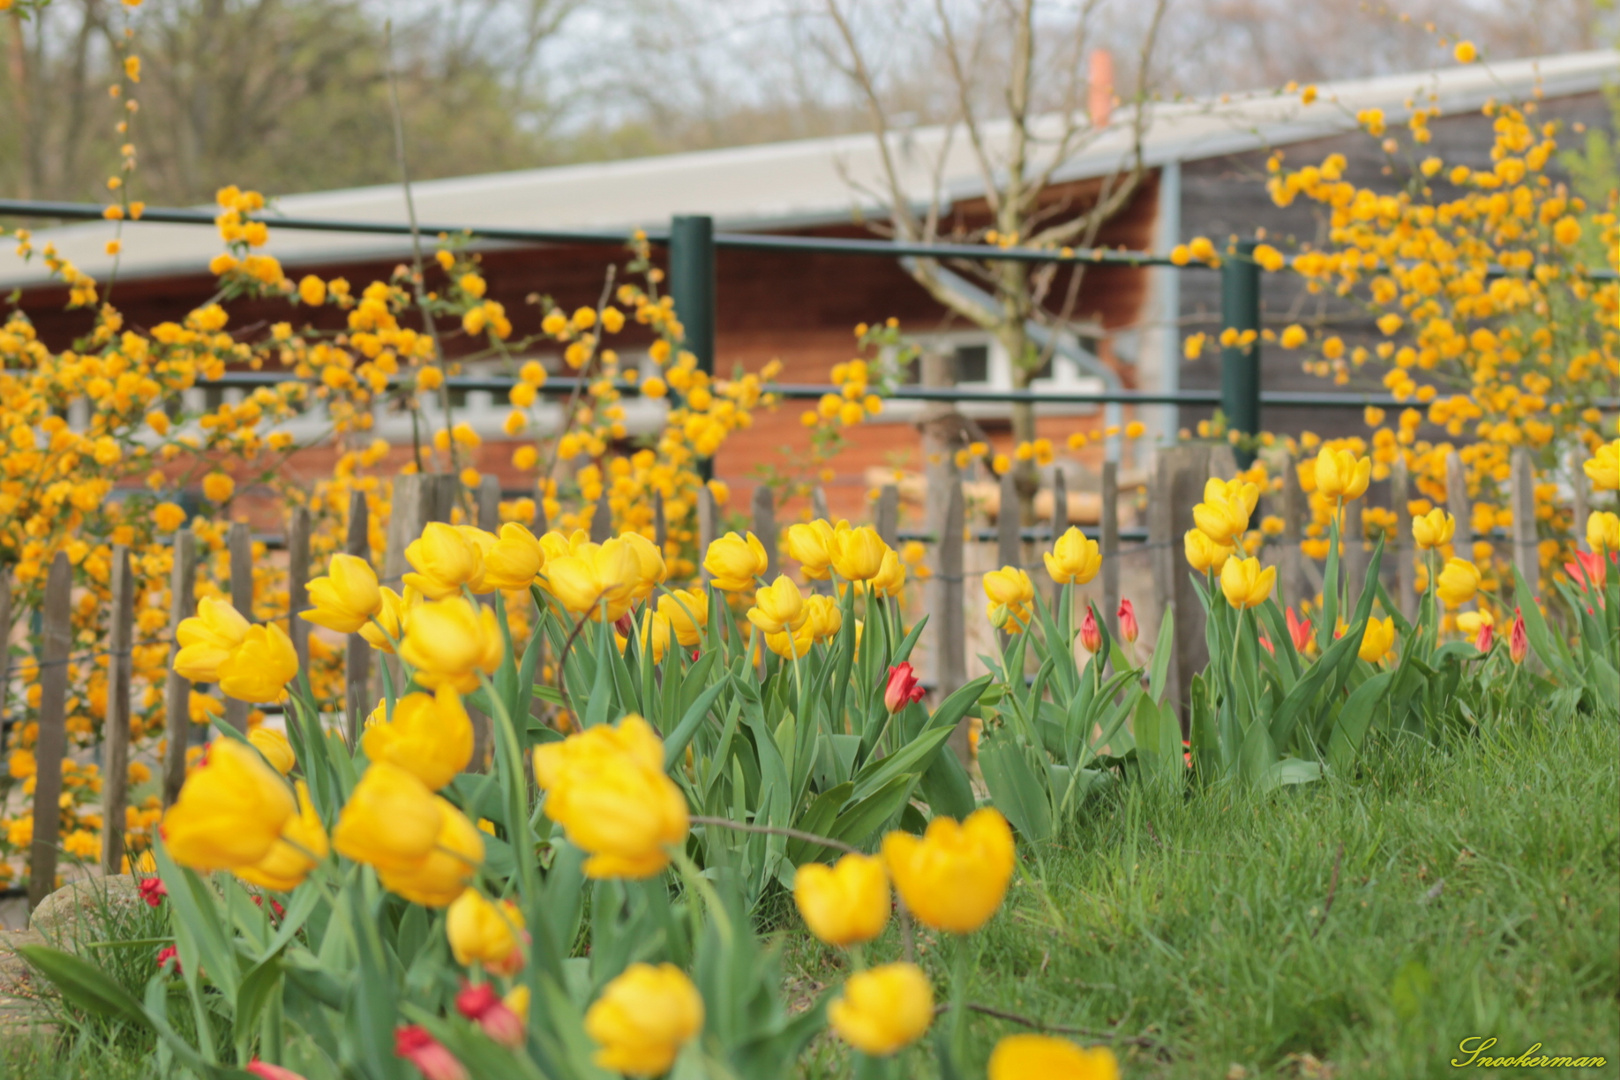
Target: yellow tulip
{"type": "Point", "coordinates": [231, 810]}
{"type": "Point", "coordinates": [1458, 582]}
{"type": "Point", "coordinates": [391, 618]}
{"type": "Point", "coordinates": [555, 545]}
{"type": "Point", "coordinates": [1434, 529]}
{"type": "Point", "coordinates": [449, 642]}
{"type": "Point", "coordinates": [734, 562]}
{"type": "Point", "coordinates": [1009, 586]}
{"type": "Point", "coordinates": [846, 903]}
{"type": "Point", "coordinates": [811, 545]}
{"type": "Point", "coordinates": [260, 668]}
{"type": "Point", "coordinates": [1378, 640]}
{"type": "Point", "coordinates": [1024, 1057]}
{"type": "Point", "coordinates": [1341, 475]}
{"type": "Point", "coordinates": [391, 820]}
{"type": "Point", "coordinates": [207, 639]}
{"type": "Point", "coordinates": [883, 1010]}
{"type": "Point", "coordinates": [275, 748]}
{"type": "Point", "coordinates": [597, 580]}
{"type": "Point", "coordinates": [955, 876]}
{"type": "Point", "coordinates": [1470, 622]}
{"type": "Point", "coordinates": [891, 576]}
{"type": "Point", "coordinates": [1073, 560]}
{"type": "Point", "coordinates": [1224, 514]}
{"type": "Point", "coordinates": [1603, 467]}
{"type": "Point", "coordinates": [485, 932]}
{"type": "Point", "coordinates": [655, 634]}
{"type": "Point", "coordinates": [791, 644]}
{"type": "Point", "coordinates": [823, 617]}
{"type": "Point", "coordinates": [643, 1018]}
{"type": "Point", "coordinates": [650, 568]}
{"type": "Point", "coordinates": [430, 737]}
{"type": "Point", "coordinates": [858, 553]}
{"type": "Point", "coordinates": [445, 559]}
{"type": "Point", "coordinates": [1245, 584]}
{"type": "Point", "coordinates": [346, 598]}
{"type": "Point", "coordinates": [301, 846]}
{"type": "Point", "coordinates": [607, 788]}
{"type": "Point", "coordinates": [688, 613]}
{"type": "Point", "coordinates": [1204, 554]}
{"type": "Point", "coordinates": [452, 861]}
{"type": "Point", "coordinates": [512, 561]}
{"type": "Point", "coordinates": [1603, 531]}
{"type": "Point", "coordinates": [777, 607]}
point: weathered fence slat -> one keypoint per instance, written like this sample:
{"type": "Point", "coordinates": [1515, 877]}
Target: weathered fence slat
{"type": "Point", "coordinates": [1294, 510]}
{"type": "Point", "coordinates": [240, 543]}
{"type": "Point", "coordinates": [887, 518]}
{"type": "Point", "coordinates": [408, 515]}
{"type": "Point", "coordinates": [765, 528]}
{"type": "Point", "coordinates": [818, 504]}
{"type": "Point", "coordinates": [1060, 522]}
{"type": "Point", "coordinates": [602, 520]}
{"type": "Point", "coordinates": [1400, 492]}
{"type": "Point", "coordinates": [356, 653]}
{"type": "Point", "coordinates": [5, 644]}
{"type": "Point", "coordinates": [1109, 542]}
{"type": "Point", "coordinates": [1458, 506]}
{"type": "Point", "coordinates": [489, 519]}
{"type": "Point", "coordinates": [949, 622]}
{"type": "Point", "coordinates": [1009, 542]}
{"type": "Point", "coordinates": [660, 524]}
{"type": "Point", "coordinates": [1577, 484]}
{"type": "Point", "coordinates": [298, 537]}
{"type": "Point", "coordinates": [1178, 483]}
{"type": "Point", "coordinates": [52, 740]}
{"type": "Point", "coordinates": [115, 729]}
{"type": "Point", "coordinates": [177, 691]}
{"type": "Point", "coordinates": [708, 525]}
{"type": "Point", "coordinates": [489, 504]}
{"type": "Point", "coordinates": [1356, 556]}
{"type": "Point", "coordinates": [1526, 546]}
{"type": "Point", "coordinates": [540, 525]}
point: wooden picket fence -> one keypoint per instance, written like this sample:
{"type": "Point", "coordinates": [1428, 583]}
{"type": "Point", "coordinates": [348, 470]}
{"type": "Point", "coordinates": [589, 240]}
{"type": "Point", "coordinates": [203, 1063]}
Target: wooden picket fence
{"type": "Point", "coordinates": [1176, 484]}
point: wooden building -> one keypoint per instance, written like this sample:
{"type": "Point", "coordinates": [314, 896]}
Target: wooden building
{"type": "Point", "coordinates": [1207, 167]}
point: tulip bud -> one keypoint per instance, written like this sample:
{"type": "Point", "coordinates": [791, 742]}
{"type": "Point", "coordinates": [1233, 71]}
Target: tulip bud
{"type": "Point", "coordinates": [266, 1071]}
{"type": "Point", "coordinates": [1090, 632]}
{"type": "Point", "coordinates": [346, 598]}
{"type": "Point", "coordinates": [1299, 630]}
{"type": "Point", "coordinates": [1127, 621]}
{"type": "Point", "coordinates": [430, 1056]}
{"type": "Point", "coordinates": [955, 875]}
{"type": "Point", "coordinates": [485, 932]}
{"type": "Point", "coordinates": [275, 748]}
{"type": "Point", "coordinates": [903, 688]}
{"type": "Point", "coordinates": [883, 1010]}
{"type": "Point", "coordinates": [484, 1007]}
{"type": "Point", "coordinates": [1485, 638]}
{"type": "Point", "coordinates": [1519, 639]}
{"type": "Point", "coordinates": [643, 1018]}
{"type": "Point", "coordinates": [844, 904]}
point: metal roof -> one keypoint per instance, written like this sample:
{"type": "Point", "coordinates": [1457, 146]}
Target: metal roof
{"type": "Point", "coordinates": [812, 182]}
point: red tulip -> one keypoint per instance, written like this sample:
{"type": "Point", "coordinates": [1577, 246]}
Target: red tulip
{"type": "Point", "coordinates": [1265, 643]}
{"type": "Point", "coordinates": [484, 1007]}
{"type": "Point", "coordinates": [153, 891]}
{"type": "Point", "coordinates": [1299, 630]}
{"type": "Point", "coordinates": [1090, 632]}
{"type": "Point", "coordinates": [1596, 570]}
{"type": "Point", "coordinates": [903, 688]}
{"type": "Point", "coordinates": [1485, 637]}
{"type": "Point", "coordinates": [1519, 639]}
{"type": "Point", "coordinates": [1127, 621]}
{"type": "Point", "coordinates": [430, 1056]}
{"type": "Point", "coordinates": [266, 1071]}
{"type": "Point", "coordinates": [167, 956]}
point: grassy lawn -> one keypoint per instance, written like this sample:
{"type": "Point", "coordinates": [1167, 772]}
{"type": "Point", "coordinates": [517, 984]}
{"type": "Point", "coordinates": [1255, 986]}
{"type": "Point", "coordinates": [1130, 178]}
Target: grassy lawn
{"type": "Point", "coordinates": [1477, 894]}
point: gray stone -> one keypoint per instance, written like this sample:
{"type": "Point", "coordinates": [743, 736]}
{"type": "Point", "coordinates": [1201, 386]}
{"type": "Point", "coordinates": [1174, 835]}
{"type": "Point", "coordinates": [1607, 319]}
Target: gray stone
{"type": "Point", "coordinates": [83, 906]}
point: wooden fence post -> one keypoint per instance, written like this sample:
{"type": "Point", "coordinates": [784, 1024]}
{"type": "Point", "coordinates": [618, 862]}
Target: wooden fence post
{"type": "Point", "coordinates": [1355, 555]}
{"type": "Point", "coordinates": [765, 528]}
{"type": "Point", "coordinates": [177, 691]}
{"type": "Point", "coordinates": [1295, 589]}
{"type": "Point", "coordinates": [405, 522]}
{"type": "Point", "coordinates": [540, 526]}
{"type": "Point", "coordinates": [356, 653]}
{"type": "Point", "coordinates": [949, 621]}
{"type": "Point", "coordinates": [1578, 526]}
{"type": "Point", "coordinates": [888, 515]}
{"type": "Point", "coordinates": [1459, 507]}
{"type": "Point", "coordinates": [115, 729]}
{"type": "Point", "coordinates": [489, 504]}
{"type": "Point", "coordinates": [1178, 483]}
{"type": "Point", "coordinates": [1110, 545]}
{"type": "Point", "coordinates": [708, 526]}
{"type": "Point", "coordinates": [1526, 546]}
{"type": "Point", "coordinates": [298, 584]}
{"type": "Point", "coordinates": [52, 741]}
{"type": "Point", "coordinates": [602, 521]}
{"type": "Point", "coordinates": [240, 543]}
{"type": "Point", "coordinates": [489, 519]}
{"type": "Point", "coordinates": [1060, 522]}
{"type": "Point", "coordinates": [5, 644]}
{"type": "Point", "coordinates": [444, 492]}
{"type": "Point", "coordinates": [1009, 538]}
{"type": "Point", "coordinates": [660, 524]}
{"type": "Point", "coordinates": [818, 504]}
{"type": "Point", "coordinates": [1405, 554]}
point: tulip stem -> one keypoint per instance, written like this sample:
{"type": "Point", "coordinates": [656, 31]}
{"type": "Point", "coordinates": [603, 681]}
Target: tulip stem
{"type": "Point", "coordinates": [772, 830]}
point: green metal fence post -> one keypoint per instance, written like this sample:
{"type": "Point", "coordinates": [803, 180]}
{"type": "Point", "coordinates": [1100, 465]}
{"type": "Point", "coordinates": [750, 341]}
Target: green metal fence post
{"type": "Point", "coordinates": [1240, 364]}
{"type": "Point", "coordinates": [691, 285]}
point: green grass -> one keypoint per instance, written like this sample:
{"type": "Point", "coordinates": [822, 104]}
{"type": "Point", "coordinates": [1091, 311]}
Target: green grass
{"type": "Point", "coordinates": [1205, 923]}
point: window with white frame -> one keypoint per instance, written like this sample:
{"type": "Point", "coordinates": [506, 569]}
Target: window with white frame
{"type": "Point", "coordinates": [977, 361]}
